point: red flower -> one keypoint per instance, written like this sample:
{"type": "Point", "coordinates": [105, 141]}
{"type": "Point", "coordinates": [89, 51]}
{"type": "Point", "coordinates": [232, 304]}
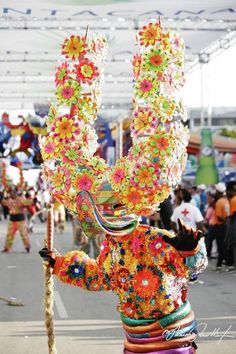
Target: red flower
{"type": "Point", "coordinates": [86, 71]}
{"type": "Point", "coordinates": [156, 246]}
{"type": "Point", "coordinates": [128, 309]}
{"type": "Point", "coordinates": [146, 283]}
{"type": "Point", "coordinates": [162, 143]}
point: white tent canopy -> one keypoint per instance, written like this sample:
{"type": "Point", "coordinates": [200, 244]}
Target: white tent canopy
{"type": "Point", "coordinates": [32, 33]}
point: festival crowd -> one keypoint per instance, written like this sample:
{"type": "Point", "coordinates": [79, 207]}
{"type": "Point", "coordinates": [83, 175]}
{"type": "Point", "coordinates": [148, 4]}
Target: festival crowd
{"type": "Point", "coordinates": [209, 209]}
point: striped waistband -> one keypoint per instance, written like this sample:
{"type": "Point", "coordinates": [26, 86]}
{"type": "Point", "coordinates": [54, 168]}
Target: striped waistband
{"type": "Point", "coordinates": [132, 325]}
{"type": "Point", "coordinates": [173, 332]}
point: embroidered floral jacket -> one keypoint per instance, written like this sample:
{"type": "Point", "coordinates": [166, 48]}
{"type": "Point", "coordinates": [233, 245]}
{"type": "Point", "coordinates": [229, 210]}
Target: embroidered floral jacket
{"type": "Point", "coordinates": [149, 276]}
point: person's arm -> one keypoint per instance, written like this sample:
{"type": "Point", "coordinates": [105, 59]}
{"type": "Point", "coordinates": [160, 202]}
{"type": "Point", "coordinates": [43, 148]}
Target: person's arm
{"type": "Point", "coordinates": [77, 268]}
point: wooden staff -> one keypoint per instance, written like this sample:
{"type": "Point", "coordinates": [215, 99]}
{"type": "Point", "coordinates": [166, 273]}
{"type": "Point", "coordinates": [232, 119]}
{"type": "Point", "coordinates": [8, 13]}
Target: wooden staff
{"type": "Point", "coordinates": [86, 33]}
{"type": "Point", "coordinates": [48, 296]}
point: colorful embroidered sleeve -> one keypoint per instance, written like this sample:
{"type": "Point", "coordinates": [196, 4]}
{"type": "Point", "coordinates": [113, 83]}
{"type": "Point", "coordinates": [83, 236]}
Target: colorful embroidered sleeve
{"type": "Point", "coordinates": [76, 268]}
{"type": "Point", "coordinates": [198, 262]}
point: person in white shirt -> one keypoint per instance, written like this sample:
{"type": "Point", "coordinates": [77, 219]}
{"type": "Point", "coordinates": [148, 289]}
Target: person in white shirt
{"type": "Point", "coordinates": [188, 213]}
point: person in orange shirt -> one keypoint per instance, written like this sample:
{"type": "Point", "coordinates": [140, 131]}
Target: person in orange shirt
{"type": "Point", "coordinates": [209, 222]}
{"type": "Point", "coordinates": [220, 222]}
{"type": "Point", "coordinates": [230, 238]}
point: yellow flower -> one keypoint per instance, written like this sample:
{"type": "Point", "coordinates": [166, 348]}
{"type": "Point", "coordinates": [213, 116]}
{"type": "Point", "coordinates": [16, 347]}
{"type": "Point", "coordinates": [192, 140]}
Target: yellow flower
{"type": "Point", "coordinates": [74, 47]}
{"type": "Point", "coordinates": [65, 128]}
{"type": "Point", "coordinates": [150, 34]}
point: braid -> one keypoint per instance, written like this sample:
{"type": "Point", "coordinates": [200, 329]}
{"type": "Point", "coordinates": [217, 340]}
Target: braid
{"type": "Point", "coordinates": [48, 304]}
{"type": "Point", "coordinates": [48, 296]}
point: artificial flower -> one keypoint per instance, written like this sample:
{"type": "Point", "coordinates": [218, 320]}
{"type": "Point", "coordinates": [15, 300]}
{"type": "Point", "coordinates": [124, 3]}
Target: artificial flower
{"type": "Point", "coordinates": [49, 148]}
{"type": "Point", "coordinates": [74, 47]}
{"type": "Point", "coordinates": [136, 245]}
{"type": "Point", "coordinates": [123, 278]}
{"type": "Point", "coordinates": [132, 197]}
{"type": "Point", "coordinates": [144, 121]}
{"type": "Point", "coordinates": [160, 144]}
{"type": "Point", "coordinates": [98, 45]}
{"type": "Point", "coordinates": [97, 163]}
{"type": "Point", "coordinates": [118, 175]}
{"type": "Point", "coordinates": [76, 270]}
{"type": "Point", "coordinates": [144, 175]}
{"type": "Point", "coordinates": [52, 115]}
{"type": "Point", "coordinates": [150, 34]}
{"type": "Point", "coordinates": [136, 151]}
{"type": "Point", "coordinates": [68, 93]}
{"type": "Point", "coordinates": [161, 193]}
{"type": "Point", "coordinates": [155, 60]}
{"type": "Point", "coordinates": [65, 127]}
{"type": "Point", "coordinates": [166, 106]}
{"type": "Point", "coordinates": [86, 71]}
{"type": "Point", "coordinates": [128, 309]}
{"type": "Point", "coordinates": [174, 171]}
{"type": "Point", "coordinates": [156, 246]}
{"type": "Point", "coordinates": [87, 109]}
{"type": "Point", "coordinates": [62, 73]}
{"type": "Point", "coordinates": [146, 283]}
{"type": "Point", "coordinates": [86, 180]}
{"type": "Point", "coordinates": [71, 155]}
{"type": "Point", "coordinates": [89, 139]}
{"type": "Point", "coordinates": [146, 86]}
{"type": "Point", "coordinates": [60, 180]}
{"type": "Point", "coordinates": [136, 63]}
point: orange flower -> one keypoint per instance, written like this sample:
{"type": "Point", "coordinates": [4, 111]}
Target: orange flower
{"type": "Point", "coordinates": [150, 34]}
{"type": "Point", "coordinates": [128, 309]}
{"type": "Point", "coordinates": [65, 127]}
{"type": "Point", "coordinates": [74, 47]}
{"type": "Point", "coordinates": [133, 198]}
{"type": "Point", "coordinates": [146, 283]}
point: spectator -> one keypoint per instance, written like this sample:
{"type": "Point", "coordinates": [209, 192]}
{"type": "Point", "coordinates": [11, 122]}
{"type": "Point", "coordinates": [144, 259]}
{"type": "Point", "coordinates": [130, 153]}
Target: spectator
{"type": "Point", "coordinates": [195, 197]}
{"type": "Point", "coordinates": [209, 222]}
{"type": "Point", "coordinates": [230, 238]}
{"type": "Point", "coordinates": [220, 223]}
{"type": "Point", "coordinates": [203, 198]}
{"type": "Point", "coordinates": [187, 212]}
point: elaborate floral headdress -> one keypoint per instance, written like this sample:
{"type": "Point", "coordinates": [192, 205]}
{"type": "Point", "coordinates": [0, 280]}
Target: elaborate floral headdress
{"type": "Point", "coordinates": [144, 178]}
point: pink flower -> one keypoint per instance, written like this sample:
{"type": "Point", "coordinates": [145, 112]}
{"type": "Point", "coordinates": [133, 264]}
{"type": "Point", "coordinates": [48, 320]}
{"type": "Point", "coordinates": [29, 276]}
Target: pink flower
{"type": "Point", "coordinates": [118, 175]}
{"type": "Point", "coordinates": [145, 85]}
{"type": "Point", "coordinates": [67, 92]}
{"type": "Point", "coordinates": [49, 147]}
{"type": "Point", "coordinates": [136, 245]}
{"type": "Point", "coordinates": [84, 183]}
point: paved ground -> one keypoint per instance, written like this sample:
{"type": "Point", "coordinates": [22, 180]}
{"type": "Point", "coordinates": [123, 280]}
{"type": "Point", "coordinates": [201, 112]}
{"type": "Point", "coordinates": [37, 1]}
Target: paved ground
{"type": "Point", "coordinates": [88, 322]}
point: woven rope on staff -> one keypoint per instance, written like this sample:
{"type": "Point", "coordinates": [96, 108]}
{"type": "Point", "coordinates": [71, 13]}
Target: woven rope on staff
{"type": "Point", "coordinates": [48, 295]}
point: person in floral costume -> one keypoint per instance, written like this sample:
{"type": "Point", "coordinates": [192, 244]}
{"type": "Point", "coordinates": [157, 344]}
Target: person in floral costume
{"type": "Point", "coordinates": [148, 268]}
{"type": "Point", "coordinates": [149, 271]}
